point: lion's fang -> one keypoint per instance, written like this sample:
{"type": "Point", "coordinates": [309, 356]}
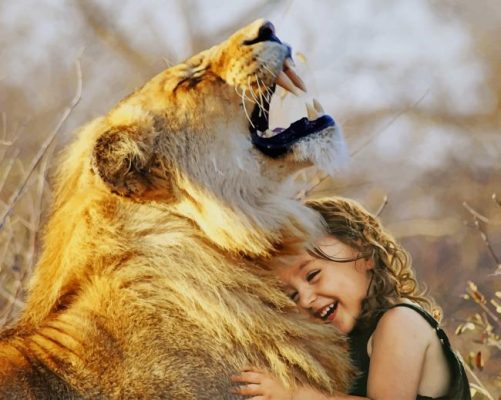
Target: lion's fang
{"type": "Point", "coordinates": [284, 81]}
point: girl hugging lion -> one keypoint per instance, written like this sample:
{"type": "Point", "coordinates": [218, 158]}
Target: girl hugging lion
{"type": "Point", "coordinates": [359, 279]}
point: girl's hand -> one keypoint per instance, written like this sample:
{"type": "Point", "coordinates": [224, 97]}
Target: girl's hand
{"type": "Point", "coordinates": [261, 385]}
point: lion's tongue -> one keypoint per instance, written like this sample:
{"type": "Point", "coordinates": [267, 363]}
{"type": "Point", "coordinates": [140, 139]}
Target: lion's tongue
{"type": "Point", "coordinates": [283, 140]}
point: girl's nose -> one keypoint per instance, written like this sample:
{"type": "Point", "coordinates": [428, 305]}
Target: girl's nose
{"type": "Point", "coordinates": [306, 298]}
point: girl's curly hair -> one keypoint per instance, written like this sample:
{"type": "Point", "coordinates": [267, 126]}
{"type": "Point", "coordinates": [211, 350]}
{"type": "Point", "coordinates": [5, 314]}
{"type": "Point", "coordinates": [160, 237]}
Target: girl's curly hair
{"type": "Point", "coordinates": [393, 277]}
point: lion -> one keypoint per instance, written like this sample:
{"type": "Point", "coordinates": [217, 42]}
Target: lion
{"type": "Point", "coordinates": [153, 280]}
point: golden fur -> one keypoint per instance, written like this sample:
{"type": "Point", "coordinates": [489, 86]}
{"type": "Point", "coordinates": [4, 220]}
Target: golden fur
{"type": "Point", "coordinates": [152, 281]}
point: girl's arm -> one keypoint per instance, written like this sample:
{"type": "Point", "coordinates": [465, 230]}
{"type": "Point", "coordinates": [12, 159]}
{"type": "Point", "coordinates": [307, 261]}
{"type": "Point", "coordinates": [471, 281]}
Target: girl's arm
{"type": "Point", "coordinates": [307, 393]}
{"type": "Point", "coordinates": [400, 342]}
{"type": "Point", "coordinates": [399, 346]}
{"type": "Point", "coordinates": [262, 385]}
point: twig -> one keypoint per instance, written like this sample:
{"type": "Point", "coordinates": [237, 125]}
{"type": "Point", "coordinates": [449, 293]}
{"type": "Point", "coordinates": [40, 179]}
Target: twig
{"type": "Point", "coordinates": [3, 251]}
{"type": "Point", "coordinates": [484, 237]}
{"type": "Point", "coordinates": [494, 197]}
{"type": "Point", "coordinates": [15, 197]}
{"type": "Point", "coordinates": [479, 216]}
{"type": "Point", "coordinates": [37, 212]}
{"type": "Point", "coordinates": [199, 40]}
{"type": "Point", "coordinates": [107, 30]}
{"type": "Point", "coordinates": [389, 123]}
{"type": "Point", "coordinates": [9, 310]}
{"type": "Point", "coordinates": [10, 298]}
{"type": "Point", "coordinates": [473, 293]}
{"type": "Point", "coordinates": [476, 379]}
{"type": "Point", "coordinates": [4, 125]}
{"type": "Point", "coordinates": [320, 181]}
{"type": "Point", "coordinates": [476, 217]}
{"type": "Point", "coordinates": [10, 163]}
{"type": "Point", "coordinates": [382, 206]}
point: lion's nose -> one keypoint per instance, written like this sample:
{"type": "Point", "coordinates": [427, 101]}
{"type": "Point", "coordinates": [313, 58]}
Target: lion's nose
{"type": "Point", "coordinates": [266, 33]}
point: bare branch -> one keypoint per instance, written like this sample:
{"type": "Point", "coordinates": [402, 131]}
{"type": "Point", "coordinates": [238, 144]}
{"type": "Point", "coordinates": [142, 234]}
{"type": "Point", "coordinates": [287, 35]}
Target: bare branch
{"type": "Point", "coordinates": [494, 197]}
{"type": "Point", "coordinates": [382, 206]}
{"type": "Point", "coordinates": [7, 169]}
{"type": "Point", "coordinates": [478, 385]}
{"type": "Point", "coordinates": [10, 298]}
{"type": "Point", "coordinates": [479, 299]}
{"type": "Point", "coordinates": [479, 216]}
{"type": "Point", "coordinates": [36, 161]}
{"type": "Point", "coordinates": [484, 237]}
{"type": "Point", "coordinates": [389, 123]}
{"type": "Point", "coordinates": [110, 34]}
{"type": "Point", "coordinates": [11, 305]}
{"type": "Point", "coordinates": [4, 125]}
{"type": "Point", "coordinates": [200, 40]}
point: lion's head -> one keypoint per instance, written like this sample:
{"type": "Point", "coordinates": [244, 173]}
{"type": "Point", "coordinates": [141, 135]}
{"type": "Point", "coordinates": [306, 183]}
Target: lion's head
{"type": "Point", "coordinates": [197, 138]}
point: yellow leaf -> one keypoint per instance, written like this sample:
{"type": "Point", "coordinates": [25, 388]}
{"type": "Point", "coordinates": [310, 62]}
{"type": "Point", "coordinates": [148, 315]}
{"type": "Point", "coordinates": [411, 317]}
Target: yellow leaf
{"type": "Point", "coordinates": [479, 360]}
{"type": "Point", "coordinates": [470, 359]}
{"type": "Point", "coordinates": [496, 305]}
{"type": "Point", "coordinates": [301, 57]}
{"type": "Point", "coordinates": [468, 326]}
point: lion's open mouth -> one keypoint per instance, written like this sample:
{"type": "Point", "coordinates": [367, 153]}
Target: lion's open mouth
{"type": "Point", "coordinates": [278, 141]}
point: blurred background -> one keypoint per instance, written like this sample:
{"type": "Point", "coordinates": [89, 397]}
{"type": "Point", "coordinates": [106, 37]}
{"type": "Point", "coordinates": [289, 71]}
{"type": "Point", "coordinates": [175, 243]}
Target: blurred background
{"type": "Point", "coordinates": [416, 85]}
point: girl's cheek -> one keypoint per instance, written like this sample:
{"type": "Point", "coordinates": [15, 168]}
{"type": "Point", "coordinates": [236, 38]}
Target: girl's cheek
{"type": "Point", "coordinates": [304, 312]}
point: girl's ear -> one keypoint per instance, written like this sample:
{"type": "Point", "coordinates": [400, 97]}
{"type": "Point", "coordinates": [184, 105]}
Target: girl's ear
{"type": "Point", "coordinates": [369, 262]}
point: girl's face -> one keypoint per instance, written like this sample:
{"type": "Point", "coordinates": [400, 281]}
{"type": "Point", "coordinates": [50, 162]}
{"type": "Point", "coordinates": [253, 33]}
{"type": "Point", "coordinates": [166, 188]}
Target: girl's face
{"type": "Point", "coordinates": [328, 290]}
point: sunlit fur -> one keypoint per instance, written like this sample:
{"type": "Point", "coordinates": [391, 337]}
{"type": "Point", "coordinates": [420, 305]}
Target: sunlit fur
{"type": "Point", "coordinates": [152, 282]}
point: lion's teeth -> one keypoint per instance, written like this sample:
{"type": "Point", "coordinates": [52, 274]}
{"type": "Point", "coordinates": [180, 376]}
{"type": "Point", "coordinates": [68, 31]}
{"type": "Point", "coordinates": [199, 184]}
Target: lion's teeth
{"type": "Point", "coordinates": [268, 133]}
{"type": "Point", "coordinates": [311, 112]}
{"type": "Point", "coordinates": [293, 76]}
{"type": "Point", "coordinates": [318, 107]}
{"type": "Point", "coordinates": [289, 63]}
{"type": "Point", "coordinates": [284, 81]}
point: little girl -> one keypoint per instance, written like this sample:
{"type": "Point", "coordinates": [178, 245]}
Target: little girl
{"type": "Point", "coordinates": [359, 279]}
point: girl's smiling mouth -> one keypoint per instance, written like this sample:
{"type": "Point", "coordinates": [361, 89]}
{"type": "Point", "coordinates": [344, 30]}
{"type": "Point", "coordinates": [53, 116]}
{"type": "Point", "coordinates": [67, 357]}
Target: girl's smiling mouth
{"type": "Point", "coordinates": [327, 313]}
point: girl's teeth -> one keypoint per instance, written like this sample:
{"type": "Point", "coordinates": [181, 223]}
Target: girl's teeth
{"type": "Point", "coordinates": [327, 310]}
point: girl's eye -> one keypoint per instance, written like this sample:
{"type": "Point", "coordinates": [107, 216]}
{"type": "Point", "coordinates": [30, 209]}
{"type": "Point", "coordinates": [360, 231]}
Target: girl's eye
{"type": "Point", "coordinates": [294, 296]}
{"type": "Point", "coordinates": [311, 275]}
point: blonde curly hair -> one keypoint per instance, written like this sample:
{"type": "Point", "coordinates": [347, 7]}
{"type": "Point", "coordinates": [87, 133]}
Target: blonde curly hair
{"type": "Point", "coordinates": [393, 276]}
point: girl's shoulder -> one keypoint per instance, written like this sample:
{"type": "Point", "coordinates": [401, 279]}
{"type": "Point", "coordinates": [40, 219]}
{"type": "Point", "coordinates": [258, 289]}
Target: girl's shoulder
{"type": "Point", "coordinates": [405, 343]}
{"type": "Point", "coordinates": [402, 325]}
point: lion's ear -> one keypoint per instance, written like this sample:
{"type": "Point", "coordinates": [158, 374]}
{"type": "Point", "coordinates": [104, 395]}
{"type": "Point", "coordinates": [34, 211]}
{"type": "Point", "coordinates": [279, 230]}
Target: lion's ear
{"type": "Point", "coordinates": [123, 157]}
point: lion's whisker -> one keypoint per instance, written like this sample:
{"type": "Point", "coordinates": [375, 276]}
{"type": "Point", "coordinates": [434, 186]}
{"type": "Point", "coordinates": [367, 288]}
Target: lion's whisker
{"type": "Point", "coordinates": [245, 108]}
{"type": "Point", "coordinates": [259, 101]}
{"type": "Point", "coordinates": [268, 91]}
{"type": "Point", "coordinates": [262, 93]}
{"type": "Point", "coordinates": [263, 64]}
{"type": "Point", "coordinates": [256, 100]}
{"type": "Point", "coordinates": [259, 91]}
{"type": "Point", "coordinates": [243, 96]}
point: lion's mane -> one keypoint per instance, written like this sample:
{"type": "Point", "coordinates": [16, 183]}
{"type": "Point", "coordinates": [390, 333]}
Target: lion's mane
{"type": "Point", "coordinates": [152, 282]}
